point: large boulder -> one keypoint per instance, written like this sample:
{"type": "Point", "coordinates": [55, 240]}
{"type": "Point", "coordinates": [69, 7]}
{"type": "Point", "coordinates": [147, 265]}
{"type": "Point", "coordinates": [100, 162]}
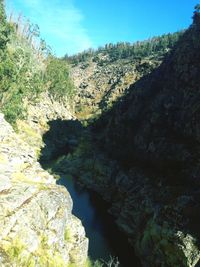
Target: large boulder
{"type": "Point", "coordinates": [37, 227]}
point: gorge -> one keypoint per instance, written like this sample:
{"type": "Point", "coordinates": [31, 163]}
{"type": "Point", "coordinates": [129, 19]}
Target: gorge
{"type": "Point", "coordinates": [129, 135]}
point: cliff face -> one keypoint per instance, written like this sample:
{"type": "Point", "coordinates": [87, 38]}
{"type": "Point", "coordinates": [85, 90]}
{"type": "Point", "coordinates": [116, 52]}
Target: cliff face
{"type": "Point", "coordinates": [143, 157]}
{"type": "Point", "coordinates": [102, 82]}
{"type": "Point", "coordinates": [37, 226]}
{"type": "Point", "coordinates": [154, 134]}
{"type": "Point", "coordinates": [157, 123]}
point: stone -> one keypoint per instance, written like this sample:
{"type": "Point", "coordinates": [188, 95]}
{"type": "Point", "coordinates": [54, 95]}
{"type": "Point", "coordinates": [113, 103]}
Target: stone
{"type": "Point", "coordinates": [34, 211]}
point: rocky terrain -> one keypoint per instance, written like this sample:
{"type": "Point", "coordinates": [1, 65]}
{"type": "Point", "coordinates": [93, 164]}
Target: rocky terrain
{"type": "Point", "coordinates": [142, 155]}
{"type": "Point", "coordinates": [38, 115]}
{"type": "Point", "coordinates": [101, 82]}
{"type": "Point", "coordinates": [154, 134]}
{"type": "Point", "coordinates": [37, 226]}
{"type": "Point", "coordinates": [140, 152]}
{"type": "Point", "coordinates": [104, 75]}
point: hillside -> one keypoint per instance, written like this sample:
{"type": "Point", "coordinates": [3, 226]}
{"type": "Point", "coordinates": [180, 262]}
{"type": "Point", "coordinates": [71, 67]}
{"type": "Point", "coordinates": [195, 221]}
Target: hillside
{"type": "Point", "coordinates": [153, 133]}
{"type": "Point", "coordinates": [28, 70]}
{"type": "Point", "coordinates": [36, 214]}
{"type": "Point", "coordinates": [123, 121]}
{"type": "Point", "coordinates": [103, 76]}
{"type": "Point", "coordinates": [157, 122]}
{"type": "Point", "coordinates": [142, 156]}
{"type": "Point", "coordinates": [37, 224]}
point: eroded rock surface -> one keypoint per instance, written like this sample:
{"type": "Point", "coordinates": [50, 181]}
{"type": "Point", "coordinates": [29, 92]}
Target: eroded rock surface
{"type": "Point", "coordinates": [37, 226]}
{"type": "Point", "coordinates": [100, 84]}
{"type": "Point", "coordinates": [142, 156]}
{"type": "Point", "coordinates": [153, 134]}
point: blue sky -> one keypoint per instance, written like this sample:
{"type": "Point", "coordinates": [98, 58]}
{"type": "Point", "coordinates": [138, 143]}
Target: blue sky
{"type": "Point", "coordinates": [70, 26]}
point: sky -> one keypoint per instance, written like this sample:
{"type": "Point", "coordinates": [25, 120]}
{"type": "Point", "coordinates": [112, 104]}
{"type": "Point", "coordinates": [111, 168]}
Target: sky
{"type": "Point", "coordinates": [71, 26]}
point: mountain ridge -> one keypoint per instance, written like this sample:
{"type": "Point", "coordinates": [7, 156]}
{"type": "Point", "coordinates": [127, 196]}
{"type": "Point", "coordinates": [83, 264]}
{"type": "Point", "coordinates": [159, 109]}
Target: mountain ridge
{"type": "Point", "coordinates": [139, 148]}
{"type": "Point", "coordinates": [142, 156]}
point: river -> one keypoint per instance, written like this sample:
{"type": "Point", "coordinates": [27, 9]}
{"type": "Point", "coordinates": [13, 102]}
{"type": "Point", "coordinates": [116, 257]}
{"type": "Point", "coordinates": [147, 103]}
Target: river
{"type": "Point", "coordinates": [105, 239]}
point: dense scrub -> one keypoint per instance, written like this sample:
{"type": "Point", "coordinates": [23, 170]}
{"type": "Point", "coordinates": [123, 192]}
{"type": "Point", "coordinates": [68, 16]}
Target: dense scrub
{"type": "Point", "coordinates": [156, 125]}
{"type": "Point", "coordinates": [123, 50]}
{"type": "Point", "coordinates": [27, 68]}
{"type": "Point", "coordinates": [151, 136]}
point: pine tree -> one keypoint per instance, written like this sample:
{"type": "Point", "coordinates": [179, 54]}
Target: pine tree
{"type": "Point", "coordinates": [196, 16]}
{"type": "Point", "coordinates": [2, 11]}
{"type": "Point", "coordinates": [4, 29]}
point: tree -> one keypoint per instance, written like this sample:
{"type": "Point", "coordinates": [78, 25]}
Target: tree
{"type": "Point", "coordinates": [2, 12]}
{"type": "Point", "coordinates": [57, 78]}
{"type": "Point", "coordinates": [4, 29]}
{"type": "Point", "coordinates": [196, 16]}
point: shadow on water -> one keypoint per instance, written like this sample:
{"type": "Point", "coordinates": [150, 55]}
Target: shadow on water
{"type": "Point", "coordinates": [105, 239]}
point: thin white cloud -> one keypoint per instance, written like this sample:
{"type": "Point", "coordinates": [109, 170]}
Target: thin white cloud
{"type": "Point", "coordinates": [60, 22]}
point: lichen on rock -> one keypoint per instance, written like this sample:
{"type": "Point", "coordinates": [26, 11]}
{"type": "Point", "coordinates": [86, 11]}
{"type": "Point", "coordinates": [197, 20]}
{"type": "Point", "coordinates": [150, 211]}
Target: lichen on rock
{"type": "Point", "coordinates": [34, 211]}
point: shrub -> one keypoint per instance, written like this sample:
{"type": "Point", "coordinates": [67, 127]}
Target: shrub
{"type": "Point", "coordinates": [57, 78]}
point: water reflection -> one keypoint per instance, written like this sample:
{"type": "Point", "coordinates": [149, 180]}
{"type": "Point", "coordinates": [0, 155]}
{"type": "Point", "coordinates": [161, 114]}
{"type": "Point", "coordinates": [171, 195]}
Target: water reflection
{"type": "Point", "coordinates": [105, 239]}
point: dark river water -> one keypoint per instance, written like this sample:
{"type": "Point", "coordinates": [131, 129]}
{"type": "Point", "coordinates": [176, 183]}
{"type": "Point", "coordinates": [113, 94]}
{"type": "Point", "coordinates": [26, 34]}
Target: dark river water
{"type": "Point", "coordinates": [105, 239]}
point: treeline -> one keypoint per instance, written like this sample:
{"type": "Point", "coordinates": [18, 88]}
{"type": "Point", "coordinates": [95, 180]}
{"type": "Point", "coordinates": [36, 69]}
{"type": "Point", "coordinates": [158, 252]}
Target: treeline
{"type": "Point", "coordinates": [123, 50]}
{"type": "Point", "coordinates": [27, 68]}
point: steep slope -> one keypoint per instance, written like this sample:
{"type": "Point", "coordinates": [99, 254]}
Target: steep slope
{"type": "Point", "coordinates": [103, 76]}
{"type": "Point", "coordinates": [99, 85]}
{"type": "Point", "coordinates": [154, 134]}
{"type": "Point", "coordinates": [37, 226]}
{"type": "Point", "coordinates": [142, 156]}
{"type": "Point", "coordinates": [29, 73]}
{"type": "Point", "coordinates": [158, 121]}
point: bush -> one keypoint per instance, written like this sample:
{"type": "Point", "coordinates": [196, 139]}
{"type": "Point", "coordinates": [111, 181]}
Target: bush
{"type": "Point", "coordinates": [57, 78]}
{"type": "Point", "coordinates": [26, 71]}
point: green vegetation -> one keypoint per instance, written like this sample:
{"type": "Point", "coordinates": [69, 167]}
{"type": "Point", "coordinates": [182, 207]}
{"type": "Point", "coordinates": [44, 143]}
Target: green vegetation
{"type": "Point", "coordinates": [67, 234]}
{"type": "Point", "coordinates": [46, 257]}
{"type": "Point", "coordinates": [17, 254]}
{"type": "Point", "coordinates": [14, 250]}
{"type": "Point", "coordinates": [4, 29]}
{"type": "Point", "coordinates": [113, 262]}
{"type": "Point", "coordinates": [196, 16]}
{"type": "Point", "coordinates": [27, 68]}
{"type": "Point", "coordinates": [57, 78]}
{"type": "Point", "coordinates": [124, 50]}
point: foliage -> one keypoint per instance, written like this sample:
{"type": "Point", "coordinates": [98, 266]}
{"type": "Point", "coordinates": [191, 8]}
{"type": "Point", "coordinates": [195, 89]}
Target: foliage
{"type": "Point", "coordinates": [46, 257]}
{"type": "Point", "coordinates": [68, 234]}
{"type": "Point", "coordinates": [27, 69]}
{"type": "Point", "coordinates": [57, 78]}
{"type": "Point", "coordinates": [15, 252]}
{"type": "Point", "coordinates": [14, 249]}
{"type": "Point", "coordinates": [196, 16]}
{"type": "Point", "coordinates": [124, 50]}
{"type": "Point", "coordinates": [20, 78]}
{"type": "Point", "coordinates": [112, 262]}
{"type": "Point", "coordinates": [4, 29]}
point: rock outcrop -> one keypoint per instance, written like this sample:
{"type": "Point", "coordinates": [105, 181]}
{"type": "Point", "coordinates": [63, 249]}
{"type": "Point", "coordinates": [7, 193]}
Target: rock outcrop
{"type": "Point", "coordinates": [153, 133]}
{"type": "Point", "coordinates": [100, 83]}
{"type": "Point", "coordinates": [143, 157]}
{"type": "Point", "coordinates": [37, 226]}
{"type": "Point", "coordinates": [45, 109]}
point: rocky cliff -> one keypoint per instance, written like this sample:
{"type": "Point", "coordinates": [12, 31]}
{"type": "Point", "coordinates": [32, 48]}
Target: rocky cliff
{"type": "Point", "coordinates": [143, 157]}
{"type": "Point", "coordinates": [103, 76]}
{"type": "Point", "coordinates": [101, 82]}
{"type": "Point", "coordinates": [37, 226]}
{"type": "Point", "coordinates": [154, 135]}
